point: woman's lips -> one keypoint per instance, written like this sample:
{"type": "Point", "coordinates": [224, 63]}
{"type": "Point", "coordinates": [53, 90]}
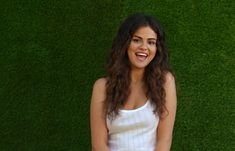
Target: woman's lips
{"type": "Point", "coordinates": [141, 56]}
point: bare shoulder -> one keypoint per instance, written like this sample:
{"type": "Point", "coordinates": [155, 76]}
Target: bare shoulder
{"type": "Point", "coordinates": [99, 89]}
{"type": "Point", "coordinates": [169, 78]}
{"type": "Point", "coordinates": [100, 84]}
{"type": "Point", "coordinates": [170, 89]}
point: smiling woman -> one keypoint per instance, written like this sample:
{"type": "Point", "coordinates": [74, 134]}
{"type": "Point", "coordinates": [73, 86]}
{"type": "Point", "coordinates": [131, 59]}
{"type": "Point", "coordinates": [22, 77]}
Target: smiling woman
{"type": "Point", "coordinates": [142, 47]}
{"type": "Point", "coordinates": [133, 108]}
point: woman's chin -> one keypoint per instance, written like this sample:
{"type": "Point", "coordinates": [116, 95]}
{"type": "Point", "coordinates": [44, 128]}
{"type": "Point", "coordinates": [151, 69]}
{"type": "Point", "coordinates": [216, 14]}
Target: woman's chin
{"type": "Point", "coordinates": [139, 66]}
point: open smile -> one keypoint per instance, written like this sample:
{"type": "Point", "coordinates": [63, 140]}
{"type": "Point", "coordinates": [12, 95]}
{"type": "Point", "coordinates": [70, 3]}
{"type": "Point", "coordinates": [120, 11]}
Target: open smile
{"type": "Point", "coordinates": [141, 56]}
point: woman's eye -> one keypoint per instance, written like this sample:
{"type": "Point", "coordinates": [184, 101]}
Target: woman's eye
{"type": "Point", "coordinates": [152, 43]}
{"type": "Point", "coordinates": [136, 40]}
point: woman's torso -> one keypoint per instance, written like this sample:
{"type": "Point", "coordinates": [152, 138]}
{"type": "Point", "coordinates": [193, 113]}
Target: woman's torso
{"type": "Point", "coordinates": [133, 130]}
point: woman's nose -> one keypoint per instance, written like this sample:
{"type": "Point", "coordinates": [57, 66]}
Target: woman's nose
{"type": "Point", "coordinates": [144, 46]}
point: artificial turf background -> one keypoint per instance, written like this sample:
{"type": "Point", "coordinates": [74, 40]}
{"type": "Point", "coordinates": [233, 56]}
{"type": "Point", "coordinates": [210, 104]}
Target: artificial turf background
{"type": "Point", "coordinates": [51, 52]}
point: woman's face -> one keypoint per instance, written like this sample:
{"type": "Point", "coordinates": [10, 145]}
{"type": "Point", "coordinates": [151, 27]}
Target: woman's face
{"type": "Point", "coordinates": [142, 48]}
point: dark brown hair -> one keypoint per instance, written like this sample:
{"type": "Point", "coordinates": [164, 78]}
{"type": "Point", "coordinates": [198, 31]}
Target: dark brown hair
{"type": "Point", "coordinates": [118, 68]}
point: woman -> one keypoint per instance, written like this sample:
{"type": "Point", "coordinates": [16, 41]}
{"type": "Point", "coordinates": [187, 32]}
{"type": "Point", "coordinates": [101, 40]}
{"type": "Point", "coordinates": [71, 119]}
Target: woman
{"type": "Point", "coordinates": [133, 108]}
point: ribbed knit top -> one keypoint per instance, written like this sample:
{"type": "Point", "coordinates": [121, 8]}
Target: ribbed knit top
{"type": "Point", "coordinates": [133, 130]}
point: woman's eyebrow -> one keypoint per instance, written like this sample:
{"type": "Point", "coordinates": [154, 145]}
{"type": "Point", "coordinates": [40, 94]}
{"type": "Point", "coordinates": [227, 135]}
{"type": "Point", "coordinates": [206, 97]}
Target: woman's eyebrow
{"type": "Point", "coordinates": [142, 38]}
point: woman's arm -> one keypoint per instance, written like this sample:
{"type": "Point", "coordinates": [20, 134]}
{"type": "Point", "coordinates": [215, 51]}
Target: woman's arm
{"type": "Point", "coordinates": [99, 134]}
{"type": "Point", "coordinates": [166, 123]}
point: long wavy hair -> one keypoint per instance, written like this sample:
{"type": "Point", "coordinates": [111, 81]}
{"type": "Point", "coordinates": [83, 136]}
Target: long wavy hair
{"type": "Point", "coordinates": [118, 67]}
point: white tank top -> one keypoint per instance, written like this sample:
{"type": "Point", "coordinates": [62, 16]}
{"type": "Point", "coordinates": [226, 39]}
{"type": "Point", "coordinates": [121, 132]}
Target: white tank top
{"type": "Point", "coordinates": [133, 130]}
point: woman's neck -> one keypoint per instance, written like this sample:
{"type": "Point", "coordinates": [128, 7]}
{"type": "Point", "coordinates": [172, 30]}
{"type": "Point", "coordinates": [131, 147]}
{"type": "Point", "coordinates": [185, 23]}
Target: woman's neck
{"type": "Point", "coordinates": [137, 76]}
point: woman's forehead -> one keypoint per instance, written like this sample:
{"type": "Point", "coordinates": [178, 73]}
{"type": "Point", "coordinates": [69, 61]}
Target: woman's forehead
{"type": "Point", "coordinates": [145, 32]}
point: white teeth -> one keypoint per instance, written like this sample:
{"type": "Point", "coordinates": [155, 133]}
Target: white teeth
{"type": "Point", "coordinates": [141, 54]}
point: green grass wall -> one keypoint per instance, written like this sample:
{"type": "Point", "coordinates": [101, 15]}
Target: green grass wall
{"type": "Point", "coordinates": [51, 52]}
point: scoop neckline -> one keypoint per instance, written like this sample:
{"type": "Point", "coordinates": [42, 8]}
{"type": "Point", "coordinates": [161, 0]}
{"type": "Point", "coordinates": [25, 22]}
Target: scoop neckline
{"type": "Point", "coordinates": [137, 109]}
